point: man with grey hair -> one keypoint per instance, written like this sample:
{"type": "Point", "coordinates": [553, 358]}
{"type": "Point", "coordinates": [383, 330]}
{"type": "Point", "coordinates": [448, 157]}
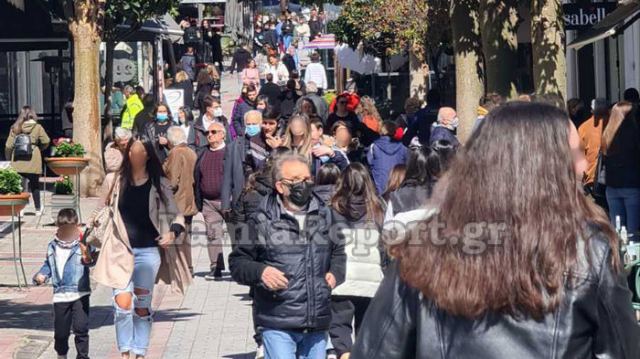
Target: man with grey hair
{"type": "Point", "coordinates": [209, 174]}
{"type": "Point", "coordinates": [292, 257]}
{"type": "Point", "coordinates": [179, 167]}
{"type": "Point", "coordinates": [322, 108]}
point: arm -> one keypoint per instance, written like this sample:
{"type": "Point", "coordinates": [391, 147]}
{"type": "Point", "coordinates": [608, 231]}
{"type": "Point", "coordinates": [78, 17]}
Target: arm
{"type": "Point", "coordinates": [8, 147]}
{"type": "Point", "coordinates": [191, 139]}
{"type": "Point", "coordinates": [324, 79]}
{"type": "Point", "coordinates": [339, 159]}
{"type": "Point", "coordinates": [411, 132]}
{"type": "Point", "coordinates": [388, 329]}
{"type": "Point", "coordinates": [45, 270]}
{"type": "Point", "coordinates": [617, 331]}
{"type": "Point", "coordinates": [243, 260]}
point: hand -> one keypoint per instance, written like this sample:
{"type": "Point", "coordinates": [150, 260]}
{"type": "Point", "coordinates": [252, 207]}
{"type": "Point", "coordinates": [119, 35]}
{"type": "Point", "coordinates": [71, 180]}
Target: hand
{"type": "Point", "coordinates": [166, 239]}
{"type": "Point", "coordinates": [274, 141]}
{"type": "Point", "coordinates": [86, 255]}
{"type": "Point", "coordinates": [163, 141]}
{"type": "Point", "coordinates": [323, 151]}
{"type": "Point", "coordinates": [40, 279]}
{"type": "Point", "coordinates": [274, 279]}
{"type": "Point", "coordinates": [331, 280]}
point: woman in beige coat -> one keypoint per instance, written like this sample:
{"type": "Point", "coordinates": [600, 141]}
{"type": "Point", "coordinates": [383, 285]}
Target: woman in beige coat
{"type": "Point", "coordinates": [29, 167]}
{"type": "Point", "coordinates": [143, 249]}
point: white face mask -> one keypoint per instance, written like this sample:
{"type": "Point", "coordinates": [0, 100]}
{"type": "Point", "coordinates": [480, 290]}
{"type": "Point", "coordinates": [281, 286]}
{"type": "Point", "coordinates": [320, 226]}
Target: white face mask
{"type": "Point", "coordinates": [455, 122]}
{"type": "Point", "coordinates": [217, 112]}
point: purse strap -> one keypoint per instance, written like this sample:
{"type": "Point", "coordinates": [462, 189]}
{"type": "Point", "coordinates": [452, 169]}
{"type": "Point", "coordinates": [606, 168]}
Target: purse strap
{"type": "Point", "coordinates": [109, 200]}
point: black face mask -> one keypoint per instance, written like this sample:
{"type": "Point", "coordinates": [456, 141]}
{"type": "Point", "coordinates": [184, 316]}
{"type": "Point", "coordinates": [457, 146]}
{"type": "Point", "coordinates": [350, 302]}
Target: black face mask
{"type": "Point", "coordinates": [300, 193]}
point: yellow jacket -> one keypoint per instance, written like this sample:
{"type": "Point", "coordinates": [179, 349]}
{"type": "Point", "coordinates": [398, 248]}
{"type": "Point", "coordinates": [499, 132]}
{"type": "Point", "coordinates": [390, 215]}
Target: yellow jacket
{"type": "Point", "coordinates": [133, 106]}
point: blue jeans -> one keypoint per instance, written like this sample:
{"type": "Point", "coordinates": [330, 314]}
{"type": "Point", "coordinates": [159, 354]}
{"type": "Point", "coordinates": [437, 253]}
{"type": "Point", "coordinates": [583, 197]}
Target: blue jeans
{"type": "Point", "coordinates": [625, 202]}
{"type": "Point", "coordinates": [132, 330]}
{"type": "Point", "coordinates": [285, 344]}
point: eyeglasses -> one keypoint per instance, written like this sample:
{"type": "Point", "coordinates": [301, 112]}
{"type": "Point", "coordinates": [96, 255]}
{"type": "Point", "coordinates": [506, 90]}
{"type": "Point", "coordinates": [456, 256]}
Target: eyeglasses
{"type": "Point", "coordinates": [295, 181]}
{"type": "Point", "coordinates": [213, 132]}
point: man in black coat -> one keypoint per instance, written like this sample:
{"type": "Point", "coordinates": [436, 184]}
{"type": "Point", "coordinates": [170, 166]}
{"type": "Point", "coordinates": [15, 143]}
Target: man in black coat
{"type": "Point", "coordinates": [271, 90]}
{"type": "Point", "coordinates": [292, 257]}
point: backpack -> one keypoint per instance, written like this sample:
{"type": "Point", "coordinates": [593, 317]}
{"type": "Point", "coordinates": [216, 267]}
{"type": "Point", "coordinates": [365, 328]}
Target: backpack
{"type": "Point", "coordinates": [22, 149]}
{"type": "Point", "coordinates": [191, 35]}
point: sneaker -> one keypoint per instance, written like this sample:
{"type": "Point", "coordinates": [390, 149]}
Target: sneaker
{"type": "Point", "coordinates": [260, 352]}
{"type": "Point", "coordinates": [39, 212]}
{"type": "Point", "coordinates": [215, 274]}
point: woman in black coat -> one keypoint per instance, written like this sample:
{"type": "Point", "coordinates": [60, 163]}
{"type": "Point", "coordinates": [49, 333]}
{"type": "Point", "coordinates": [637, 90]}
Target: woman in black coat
{"type": "Point", "coordinates": [184, 83]}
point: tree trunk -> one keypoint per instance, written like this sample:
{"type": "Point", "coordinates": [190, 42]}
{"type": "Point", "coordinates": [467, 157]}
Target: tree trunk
{"type": "Point", "coordinates": [418, 72]}
{"type": "Point", "coordinates": [284, 5]}
{"type": "Point", "coordinates": [108, 86]}
{"type": "Point", "coordinates": [465, 28]}
{"type": "Point", "coordinates": [86, 124]}
{"type": "Point", "coordinates": [500, 45]}
{"type": "Point", "coordinates": [547, 40]}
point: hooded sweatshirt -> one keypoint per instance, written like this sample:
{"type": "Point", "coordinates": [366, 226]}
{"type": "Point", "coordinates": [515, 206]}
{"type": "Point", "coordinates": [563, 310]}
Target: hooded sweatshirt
{"type": "Point", "coordinates": [383, 155]}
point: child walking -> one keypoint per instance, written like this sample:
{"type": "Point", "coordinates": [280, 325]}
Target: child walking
{"type": "Point", "coordinates": [67, 264]}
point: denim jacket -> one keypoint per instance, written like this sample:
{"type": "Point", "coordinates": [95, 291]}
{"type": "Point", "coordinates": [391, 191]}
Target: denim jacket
{"type": "Point", "coordinates": [75, 276]}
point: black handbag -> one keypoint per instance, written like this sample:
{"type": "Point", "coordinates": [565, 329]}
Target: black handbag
{"type": "Point", "coordinates": [600, 183]}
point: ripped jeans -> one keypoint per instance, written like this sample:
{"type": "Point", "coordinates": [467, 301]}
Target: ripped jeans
{"type": "Point", "coordinates": [132, 330]}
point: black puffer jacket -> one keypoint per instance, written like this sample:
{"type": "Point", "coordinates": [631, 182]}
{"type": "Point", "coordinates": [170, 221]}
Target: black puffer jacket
{"type": "Point", "coordinates": [249, 201]}
{"type": "Point", "coordinates": [409, 197]}
{"type": "Point", "coordinates": [325, 192]}
{"type": "Point", "coordinates": [595, 320]}
{"type": "Point", "coordinates": [305, 257]}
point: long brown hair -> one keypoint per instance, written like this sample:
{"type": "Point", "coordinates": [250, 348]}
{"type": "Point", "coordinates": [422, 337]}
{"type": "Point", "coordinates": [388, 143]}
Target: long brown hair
{"type": "Point", "coordinates": [355, 182]}
{"type": "Point", "coordinates": [25, 115]}
{"type": "Point", "coordinates": [396, 177]}
{"type": "Point", "coordinates": [304, 148]}
{"type": "Point", "coordinates": [514, 177]}
{"type": "Point", "coordinates": [618, 113]}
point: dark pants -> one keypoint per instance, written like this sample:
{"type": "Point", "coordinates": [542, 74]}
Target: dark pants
{"type": "Point", "coordinates": [625, 202]}
{"type": "Point", "coordinates": [344, 310]}
{"type": "Point", "coordinates": [34, 187]}
{"type": "Point", "coordinates": [72, 315]}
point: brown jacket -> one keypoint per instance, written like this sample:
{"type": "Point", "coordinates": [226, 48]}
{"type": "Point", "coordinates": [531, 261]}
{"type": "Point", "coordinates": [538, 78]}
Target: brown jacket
{"type": "Point", "coordinates": [39, 142]}
{"type": "Point", "coordinates": [114, 267]}
{"type": "Point", "coordinates": [179, 168]}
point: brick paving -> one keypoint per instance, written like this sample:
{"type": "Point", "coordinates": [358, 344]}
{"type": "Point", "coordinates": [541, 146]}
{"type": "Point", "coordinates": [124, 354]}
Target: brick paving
{"type": "Point", "coordinates": [212, 319]}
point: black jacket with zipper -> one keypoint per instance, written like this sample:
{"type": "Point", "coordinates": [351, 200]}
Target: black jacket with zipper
{"type": "Point", "coordinates": [305, 256]}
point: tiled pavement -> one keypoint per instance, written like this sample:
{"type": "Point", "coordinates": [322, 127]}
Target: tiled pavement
{"type": "Point", "coordinates": [212, 320]}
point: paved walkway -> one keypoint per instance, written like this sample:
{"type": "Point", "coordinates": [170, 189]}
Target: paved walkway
{"type": "Point", "coordinates": [212, 320]}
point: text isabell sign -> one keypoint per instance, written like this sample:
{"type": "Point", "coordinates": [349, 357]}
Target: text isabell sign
{"type": "Point", "coordinates": [584, 16]}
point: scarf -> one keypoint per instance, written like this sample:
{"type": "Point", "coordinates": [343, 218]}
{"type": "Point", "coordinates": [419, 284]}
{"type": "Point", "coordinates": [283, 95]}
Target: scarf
{"type": "Point", "coordinates": [66, 245]}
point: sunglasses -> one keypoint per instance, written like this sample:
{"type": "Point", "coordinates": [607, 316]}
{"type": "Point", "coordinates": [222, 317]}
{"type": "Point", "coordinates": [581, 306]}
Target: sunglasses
{"type": "Point", "coordinates": [213, 132]}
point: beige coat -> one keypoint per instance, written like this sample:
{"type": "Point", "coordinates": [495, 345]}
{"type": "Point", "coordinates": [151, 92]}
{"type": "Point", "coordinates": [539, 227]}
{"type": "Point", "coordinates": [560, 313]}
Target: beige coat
{"type": "Point", "coordinates": [114, 267]}
{"type": "Point", "coordinates": [39, 142]}
{"type": "Point", "coordinates": [179, 168]}
{"type": "Point", "coordinates": [112, 158]}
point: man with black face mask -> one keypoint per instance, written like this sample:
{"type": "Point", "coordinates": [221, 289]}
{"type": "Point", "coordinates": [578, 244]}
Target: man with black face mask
{"type": "Point", "coordinates": [293, 258]}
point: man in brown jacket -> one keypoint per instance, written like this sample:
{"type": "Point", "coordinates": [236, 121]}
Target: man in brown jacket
{"type": "Point", "coordinates": [179, 168]}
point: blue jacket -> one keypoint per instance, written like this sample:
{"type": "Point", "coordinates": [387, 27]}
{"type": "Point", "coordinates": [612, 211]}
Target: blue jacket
{"type": "Point", "coordinates": [75, 276]}
{"type": "Point", "coordinates": [439, 133]}
{"type": "Point", "coordinates": [383, 155]}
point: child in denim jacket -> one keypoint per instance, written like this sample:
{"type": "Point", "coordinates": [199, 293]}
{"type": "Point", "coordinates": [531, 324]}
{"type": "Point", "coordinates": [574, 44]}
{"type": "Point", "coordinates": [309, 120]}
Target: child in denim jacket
{"type": "Point", "coordinates": [67, 264]}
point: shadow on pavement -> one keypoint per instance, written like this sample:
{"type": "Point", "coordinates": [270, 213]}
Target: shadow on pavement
{"type": "Point", "coordinates": [240, 356]}
{"type": "Point", "coordinates": [16, 315]}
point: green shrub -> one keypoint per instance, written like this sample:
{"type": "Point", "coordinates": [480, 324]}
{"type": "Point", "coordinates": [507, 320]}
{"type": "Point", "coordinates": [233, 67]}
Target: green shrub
{"type": "Point", "coordinates": [67, 149]}
{"type": "Point", "coordinates": [64, 186]}
{"type": "Point", "coordinates": [10, 181]}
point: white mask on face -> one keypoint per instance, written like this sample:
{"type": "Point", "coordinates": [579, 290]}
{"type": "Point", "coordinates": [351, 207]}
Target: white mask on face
{"type": "Point", "coordinates": [217, 112]}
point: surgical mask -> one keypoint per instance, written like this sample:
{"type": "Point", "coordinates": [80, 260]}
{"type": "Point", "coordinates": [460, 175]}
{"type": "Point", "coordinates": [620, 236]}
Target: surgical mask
{"type": "Point", "coordinates": [455, 122]}
{"type": "Point", "coordinates": [300, 193]}
{"type": "Point", "coordinates": [217, 112]}
{"type": "Point", "coordinates": [162, 117]}
{"type": "Point", "coordinates": [252, 130]}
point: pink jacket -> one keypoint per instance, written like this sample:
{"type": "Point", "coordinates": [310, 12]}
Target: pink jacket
{"type": "Point", "coordinates": [251, 76]}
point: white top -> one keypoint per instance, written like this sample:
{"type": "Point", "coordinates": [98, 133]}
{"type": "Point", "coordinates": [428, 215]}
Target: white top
{"type": "Point", "coordinates": [62, 255]}
{"type": "Point", "coordinates": [280, 73]}
{"type": "Point", "coordinates": [315, 72]}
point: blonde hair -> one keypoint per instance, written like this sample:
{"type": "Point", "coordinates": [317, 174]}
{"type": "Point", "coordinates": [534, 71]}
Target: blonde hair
{"type": "Point", "coordinates": [213, 72]}
{"type": "Point", "coordinates": [304, 148]}
{"type": "Point", "coordinates": [618, 114]}
{"type": "Point", "coordinates": [26, 114]}
{"type": "Point", "coordinates": [182, 76]}
{"type": "Point", "coordinates": [367, 106]}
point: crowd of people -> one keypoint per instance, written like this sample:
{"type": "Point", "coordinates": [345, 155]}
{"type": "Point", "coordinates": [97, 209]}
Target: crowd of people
{"type": "Point", "coordinates": [346, 225]}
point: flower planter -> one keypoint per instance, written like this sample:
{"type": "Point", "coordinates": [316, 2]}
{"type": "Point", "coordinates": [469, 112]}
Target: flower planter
{"type": "Point", "coordinates": [17, 202]}
{"type": "Point", "coordinates": [61, 201]}
{"type": "Point", "coordinates": [67, 166]}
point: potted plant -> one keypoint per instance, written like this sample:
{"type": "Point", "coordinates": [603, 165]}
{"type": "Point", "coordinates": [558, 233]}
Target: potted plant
{"type": "Point", "coordinates": [11, 195]}
{"type": "Point", "coordinates": [62, 196]}
{"type": "Point", "coordinates": [67, 158]}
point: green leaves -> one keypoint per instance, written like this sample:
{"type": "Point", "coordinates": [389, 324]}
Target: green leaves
{"type": "Point", "coordinates": [68, 149]}
{"type": "Point", "coordinates": [10, 181]}
{"type": "Point", "coordinates": [136, 11]}
{"type": "Point", "coordinates": [63, 186]}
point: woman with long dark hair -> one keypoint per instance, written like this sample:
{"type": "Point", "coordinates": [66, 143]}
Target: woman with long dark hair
{"type": "Point", "coordinates": [513, 262]}
{"type": "Point", "coordinates": [148, 222]}
{"type": "Point", "coordinates": [359, 214]}
{"type": "Point", "coordinates": [157, 130]}
{"type": "Point", "coordinates": [27, 138]}
{"type": "Point", "coordinates": [621, 158]}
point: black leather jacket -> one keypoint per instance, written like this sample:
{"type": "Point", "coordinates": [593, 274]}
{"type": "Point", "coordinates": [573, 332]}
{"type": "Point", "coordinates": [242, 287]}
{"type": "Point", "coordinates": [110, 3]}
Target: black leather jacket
{"type": "Point", "coordinates": [595, 320]}
{"type": "Point", "coordinates": [304, 256]}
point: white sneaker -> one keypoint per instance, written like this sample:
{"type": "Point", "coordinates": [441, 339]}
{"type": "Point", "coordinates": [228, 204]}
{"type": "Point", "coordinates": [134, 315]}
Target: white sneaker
{"type": "Point", "coordinates": [39, 212]}
{"type": "Point", "coordinates": [260, 352]}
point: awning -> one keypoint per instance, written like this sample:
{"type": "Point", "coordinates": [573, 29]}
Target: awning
{"type": "Point", "coordinates": [164, 26]}
{"type": "Point", "coordinates": [614, 23]}
{"type": "Point", "coordinates": [322, 42]}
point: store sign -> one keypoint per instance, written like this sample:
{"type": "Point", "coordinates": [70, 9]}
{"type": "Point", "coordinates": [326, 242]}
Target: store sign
{"type": "Point", "coordinates": [584, 16]}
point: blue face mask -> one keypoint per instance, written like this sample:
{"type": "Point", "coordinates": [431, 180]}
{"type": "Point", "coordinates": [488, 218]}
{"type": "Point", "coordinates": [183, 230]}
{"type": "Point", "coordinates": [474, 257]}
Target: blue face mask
{"type": "Point", "coordinates": [162, 117]}
{"type": "Point", "coordinates": [252, 130]}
